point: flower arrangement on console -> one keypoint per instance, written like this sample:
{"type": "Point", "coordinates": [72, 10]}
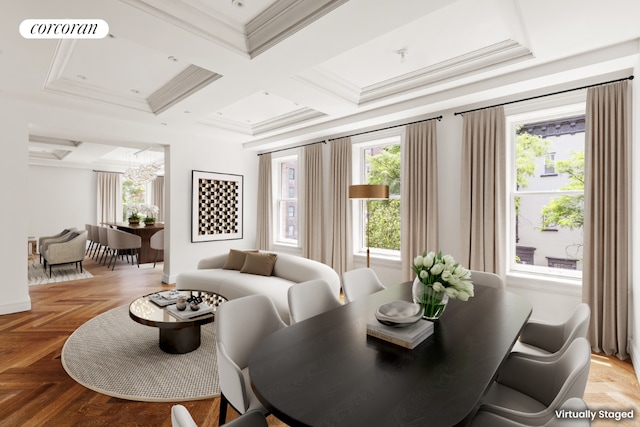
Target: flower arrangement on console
{"type": "Point", "coordinates": [439, 278]}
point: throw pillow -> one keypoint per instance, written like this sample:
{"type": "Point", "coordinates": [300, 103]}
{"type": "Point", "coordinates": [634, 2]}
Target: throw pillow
{"type": "Point", "coordinates": [257, 263]}
{"type": "Point", "coordinates": [235, 259]}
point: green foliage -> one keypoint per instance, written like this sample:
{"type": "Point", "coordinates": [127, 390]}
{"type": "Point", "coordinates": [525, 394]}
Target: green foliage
{"type": "Point", "coordinates": [384, 215]}
{"type": "Point", "coordinates": [385, 168]}
{"type": "Point", "coordinates": [567, 211]}
{"type": "Point", "coordinates": [131, 193]}
{"type": "Point", "coordinates": [528, 149]}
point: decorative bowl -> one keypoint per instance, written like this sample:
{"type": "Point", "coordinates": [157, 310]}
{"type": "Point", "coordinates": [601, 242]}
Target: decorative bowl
{"type": "Point", "coordinates": [398, 313]}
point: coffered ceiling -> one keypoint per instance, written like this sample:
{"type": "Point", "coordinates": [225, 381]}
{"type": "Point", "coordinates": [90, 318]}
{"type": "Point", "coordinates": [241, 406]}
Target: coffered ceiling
{"type": "Point", "coordinates": [269, 72]}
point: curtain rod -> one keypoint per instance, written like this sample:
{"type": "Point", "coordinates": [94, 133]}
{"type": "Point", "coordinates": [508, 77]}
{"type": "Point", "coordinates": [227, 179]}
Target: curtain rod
{"type": "Point", "coordinates": [120, 173]}
{"type": "Point", "coordinates": [542, 96]}
{"type": "Point", "coordinates": [388, 127]}
{"type": "Point", "coordinates": [291, 148]}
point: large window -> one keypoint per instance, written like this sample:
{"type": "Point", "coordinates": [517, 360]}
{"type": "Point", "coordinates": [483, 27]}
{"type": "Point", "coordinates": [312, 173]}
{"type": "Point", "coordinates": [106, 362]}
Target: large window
{"type": "Point", "coordinates": [286, 208]}
{"type": "Point", "coordinates": [547, 191]}
{"type": "Point", "coordinates": [377, 161]}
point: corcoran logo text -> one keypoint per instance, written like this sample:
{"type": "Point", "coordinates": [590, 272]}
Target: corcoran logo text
{"type": "Point", "coordinates": [64, 29]}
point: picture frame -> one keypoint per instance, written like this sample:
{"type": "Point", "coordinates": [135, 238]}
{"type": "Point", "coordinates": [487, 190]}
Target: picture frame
{"type": "Point", "coordinates": [217, 206]}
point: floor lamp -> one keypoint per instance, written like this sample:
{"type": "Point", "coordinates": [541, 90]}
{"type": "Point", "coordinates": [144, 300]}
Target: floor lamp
{"type": "Point", "coordinates": [368, 192]}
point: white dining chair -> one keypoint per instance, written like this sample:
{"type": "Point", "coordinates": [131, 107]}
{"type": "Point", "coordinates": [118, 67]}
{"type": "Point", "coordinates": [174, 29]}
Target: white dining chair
{"type": "Point", "coordinates": [528, 391]}
{"type": "Point", "coordinates": [546, 340]}
{"type": "Point", "coordinates": [157, 242]}
{"type": "Point", "coordinates": [487, 279]}
{"type": "Point", "coordinates": [359, 283]}
{"type": "Point", "coordinates": [575, 404]}
{"type": "Point", "coordinates": [240, 324]}
{"type": "Point", "coordinates": [120, 242]}
{"type": "Point", "coordinates": [180, 417]}
{"type": "Point", "coordinates": [308, 299]}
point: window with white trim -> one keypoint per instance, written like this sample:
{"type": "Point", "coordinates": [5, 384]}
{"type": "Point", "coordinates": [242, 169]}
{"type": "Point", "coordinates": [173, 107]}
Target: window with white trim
{"type": "Point", "coordinates": [286, 212]}
{"type": "Point", "coordinates": [376, 160]}
{"type": "Point", "coordinates": [546, 191]}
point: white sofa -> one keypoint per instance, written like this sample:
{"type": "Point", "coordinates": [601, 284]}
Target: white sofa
{"type": "Point", "coordinates": [232, 284]}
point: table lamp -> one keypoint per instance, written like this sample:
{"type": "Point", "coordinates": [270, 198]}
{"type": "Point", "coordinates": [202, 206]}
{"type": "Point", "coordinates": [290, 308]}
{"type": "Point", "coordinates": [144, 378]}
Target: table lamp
{"type": "Point", "coordinates": [368, 192]}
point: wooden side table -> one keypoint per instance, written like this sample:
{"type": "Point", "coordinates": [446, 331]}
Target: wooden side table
{"type": "Point", "coordinates": [32, 245]}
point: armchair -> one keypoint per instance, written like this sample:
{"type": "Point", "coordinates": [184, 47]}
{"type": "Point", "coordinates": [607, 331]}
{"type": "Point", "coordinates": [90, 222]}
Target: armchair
{"type": "Point", "coordinates": [71, 250]}
{"type": "Point", "coordinates": [61, 236]}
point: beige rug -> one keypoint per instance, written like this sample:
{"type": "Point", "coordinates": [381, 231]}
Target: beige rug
{"type": "Point", "coordinates": [114, 355]}
{"type": "Point", "coordinates": [37, 275]}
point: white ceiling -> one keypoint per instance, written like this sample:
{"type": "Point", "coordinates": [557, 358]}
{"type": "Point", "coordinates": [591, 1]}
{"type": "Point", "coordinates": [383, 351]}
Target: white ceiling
{"type": "Point", "coordinates": [276, 72]}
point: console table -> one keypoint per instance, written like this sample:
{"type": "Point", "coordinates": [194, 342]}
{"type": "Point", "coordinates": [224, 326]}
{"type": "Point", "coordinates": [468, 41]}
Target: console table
{"type": "Point", "coordinates": [326, 371]}
{"type": "Point", "coordinates": [147, 254]}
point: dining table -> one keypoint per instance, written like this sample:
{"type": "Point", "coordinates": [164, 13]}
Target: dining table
{"type": "Point", "coordinates": [326, 370]}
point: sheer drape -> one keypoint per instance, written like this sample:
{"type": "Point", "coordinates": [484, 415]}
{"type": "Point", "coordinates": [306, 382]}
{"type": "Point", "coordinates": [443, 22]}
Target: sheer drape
{"type": "Point", "coordinates": [265, 222]}
{"type": "Point", "coordinates": [340, 239]}
{"type": "Point", "coordinates": [109, 197]}
{"type": "Point", "coordinates": [606, 217]}
{"type": "Point", "coordinates": [483, 191]}
{"type": "Point", "coordinates": [419, 212]}
{"type": "Point", "coordinates": [313, 232]}
{"type": "Point", "coordinates": [157, 196]}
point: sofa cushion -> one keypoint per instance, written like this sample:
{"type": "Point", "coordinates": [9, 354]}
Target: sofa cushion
{"type": "Point", "coordinates": [259, 263]}
{"type": "Point", "coordinates": [235, 259]}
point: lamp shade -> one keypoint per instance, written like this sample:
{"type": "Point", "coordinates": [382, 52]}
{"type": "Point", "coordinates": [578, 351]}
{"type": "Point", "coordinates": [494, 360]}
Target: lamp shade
{"type": "Point", "coordinates": [368, 191]}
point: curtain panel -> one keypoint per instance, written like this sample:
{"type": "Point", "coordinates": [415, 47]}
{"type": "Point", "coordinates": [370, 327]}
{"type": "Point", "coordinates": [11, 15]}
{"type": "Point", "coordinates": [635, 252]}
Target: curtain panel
{"type": "Point", "coordinates": [264, 236]}
{"type": "Point", "coordinates": [340, 238]}
{"type": "Point", "coordinates": [157, 196]}
{"type": "Point", "coordinates": [483, 191]}
{"type": "Point", "coordinates": [606, 216]}
{"type": "Point", "coordinates": [419, 198]}
{"type": "Point", "coordinates": [313, 231]}
{"type": "Point", "coordinates": [109, 197]}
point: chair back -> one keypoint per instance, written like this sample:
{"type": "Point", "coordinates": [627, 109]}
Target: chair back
{"type": "Point", "coordinates": [487, 279]}
{"type": "Point", "coordinates": [102, 236]}
{"type": "Point", "coordinates": [118, 239]}
{"type": "Point", "coordinates": [308, 299]}
{"type": "Point", "coordinates": [578, 323]}
{"type": "Point", "coordinates": [180, 417]}
{"type": "Point", "coordinates": [240, 324]}
{"type": "Point", "coordinates": [359, 283]}
{"type": "Point", "coordinates": [157, 240]}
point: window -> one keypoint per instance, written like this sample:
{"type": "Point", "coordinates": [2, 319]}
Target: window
{"type": "Point", "coordinates": [286, 187]}
{"type": "Point", "coordinates": [132, 194]}
{"type": "Point", "coordinates": [547, 191]}
{"type": "Point", "coordinates": [377, 161]}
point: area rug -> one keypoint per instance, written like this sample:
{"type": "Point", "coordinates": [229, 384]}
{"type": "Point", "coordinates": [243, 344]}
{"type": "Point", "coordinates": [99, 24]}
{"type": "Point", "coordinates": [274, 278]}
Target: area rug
{"type": "Point", "coordinates": [37, 275]}
{"type": "Point", "coordinates": [114, 355]}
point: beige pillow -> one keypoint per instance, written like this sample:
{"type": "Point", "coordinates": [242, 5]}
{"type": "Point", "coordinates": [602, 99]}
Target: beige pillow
{"type": "Point", "coordinates": [235, 259]}
{"type": "Point", "coordinates": [257, 263]}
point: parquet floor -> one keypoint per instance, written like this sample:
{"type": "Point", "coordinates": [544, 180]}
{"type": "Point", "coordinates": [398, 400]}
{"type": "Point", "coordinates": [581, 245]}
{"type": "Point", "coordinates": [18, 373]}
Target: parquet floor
{"type": "Point", "coordinates": [36, 391]}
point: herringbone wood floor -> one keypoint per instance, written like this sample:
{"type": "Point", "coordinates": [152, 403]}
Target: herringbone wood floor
{"type": "Point", "coordinates": [36, 391]}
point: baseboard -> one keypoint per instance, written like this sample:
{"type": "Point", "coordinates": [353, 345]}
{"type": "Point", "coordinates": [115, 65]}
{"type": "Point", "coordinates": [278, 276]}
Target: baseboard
{"type": "Point", "coordinates": [15, 307]}
{"type": "Point", "coordinates": [170, 280]}
{"type": "Point", "coordinates": [635, 357]}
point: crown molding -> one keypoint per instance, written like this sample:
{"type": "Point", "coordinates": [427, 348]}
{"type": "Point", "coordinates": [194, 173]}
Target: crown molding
{"type": "Point", "coordinates": [331, 83]}
{"type": "Point", "coordinates": [293, 118]}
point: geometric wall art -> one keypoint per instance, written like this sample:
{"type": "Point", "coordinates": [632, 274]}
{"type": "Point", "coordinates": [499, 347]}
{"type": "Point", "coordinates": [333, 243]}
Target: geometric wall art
{"type": "Point", "coordinates": [216, 206]}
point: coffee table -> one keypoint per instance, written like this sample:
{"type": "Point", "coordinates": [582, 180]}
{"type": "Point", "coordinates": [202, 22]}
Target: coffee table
{"type": "Point", "coordinates": [177, 336]}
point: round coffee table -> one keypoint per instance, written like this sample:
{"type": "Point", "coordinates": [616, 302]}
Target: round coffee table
{"type": "Point", "coordinates": [177, 335]}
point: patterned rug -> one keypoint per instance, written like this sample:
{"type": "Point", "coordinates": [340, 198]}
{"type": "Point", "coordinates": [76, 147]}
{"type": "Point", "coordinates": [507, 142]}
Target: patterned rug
{"type": "Point", "coordinates": [114, 355]}
{"type": "Point", "coordinates": [37, 275]}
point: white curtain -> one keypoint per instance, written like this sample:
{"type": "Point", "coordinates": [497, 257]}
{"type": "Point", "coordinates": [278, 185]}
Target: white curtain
{"type": "Point", "coordinates": [264, 238]}
{"type": "Point", "coordinates": [419, 198]}
{"type": "Point", "coordinates": [157, 196]}
{"type": "Point", "coordinates": [483, 191]}
{"type": "Point", "coordinates": [109, 197]}
{"type": "Point", "coordinates": [313, 232]}
{"type": "Point", "coordinates": [340, 238]}
{"type": "Point", "coordinates": [606, 274]}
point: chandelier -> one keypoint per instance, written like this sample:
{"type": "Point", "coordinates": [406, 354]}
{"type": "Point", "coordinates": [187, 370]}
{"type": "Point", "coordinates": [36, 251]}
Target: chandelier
{"type": "Point", "coordinates": [142, 174]}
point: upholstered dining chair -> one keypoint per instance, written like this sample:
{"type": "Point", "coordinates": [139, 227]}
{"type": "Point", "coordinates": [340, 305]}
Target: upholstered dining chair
{"type": "Point", "coordinates": [104, 244]}
{"type": "Point", "coordinates": [308, 299]}
{"type": "Point", "coordinates": [180, 417]}
{"type": "Point", "coordinates": [240, 324]}
{"type": "Point", "coordinates": [157, 242]}
{"type": "Point", "coordinates": [121, 243]}
{"type": "Point", "coordinates": [359, 283]}
{"type": "Point", "coordinates": [575, 404]}
{"type": "Point", "coordinates": [487, 279]}
{"type": "Point", "coordinates": [546, 340]}
{"type": "Point", "coordinates": [528, 391]}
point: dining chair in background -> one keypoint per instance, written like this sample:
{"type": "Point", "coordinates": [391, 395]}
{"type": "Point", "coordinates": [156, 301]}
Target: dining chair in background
{"type": "Point", "coordinates": [308, 299]}
{"type": "Point", "coordinates": [575, 404]}
{"type": "Point", "coordinates": [240, 325]}
{"type": "Point", "coordinates": [487, 279]}
{"type": "Point", "coordinates": [529, 391]}
{"type": "Point", "coordinates": [123, 243]}
{"type": "Point", "coordinates": [359, 283]}
{"type": "Point", "coordinates": [157, 242]}
{"type": "Point", "coordinates": [547, 340]}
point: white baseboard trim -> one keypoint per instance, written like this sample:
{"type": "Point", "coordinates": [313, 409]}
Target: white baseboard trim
{"type": "Point", "coordinates": [15, 307]}
{"type": "Point", "coordinates": [170, 280]}
{"type": "Point", "coordinates": [635, 357]}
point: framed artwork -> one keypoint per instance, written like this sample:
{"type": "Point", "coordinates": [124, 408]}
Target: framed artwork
{"type": "Point", "coordinates": [216, 206]}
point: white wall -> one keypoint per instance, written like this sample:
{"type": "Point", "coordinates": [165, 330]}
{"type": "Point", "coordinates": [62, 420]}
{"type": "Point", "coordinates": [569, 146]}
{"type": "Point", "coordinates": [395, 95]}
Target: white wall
{"type": "Point", "coordinates": [60, 198]}
{"type": "Point", "coordinates": [13, 215]}
{"type": "Point", "coordinates": [634, 299]}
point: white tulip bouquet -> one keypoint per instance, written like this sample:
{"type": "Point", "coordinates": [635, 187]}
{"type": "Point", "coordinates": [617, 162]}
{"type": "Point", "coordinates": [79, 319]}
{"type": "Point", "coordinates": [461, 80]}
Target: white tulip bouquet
{"type": "Point", "coordinates": [443, 274]}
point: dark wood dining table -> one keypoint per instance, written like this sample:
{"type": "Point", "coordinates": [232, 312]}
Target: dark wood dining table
{"type": "Point", "coordinates": [147, 254]}
{"type": "Point", "coordinates": [326, 371]}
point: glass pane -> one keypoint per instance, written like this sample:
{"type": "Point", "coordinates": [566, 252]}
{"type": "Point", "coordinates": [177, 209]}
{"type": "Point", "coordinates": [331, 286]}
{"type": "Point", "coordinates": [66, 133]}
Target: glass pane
{"type": "Point", "coordinates": [288, 218]}
{"type": "Point", "coordinates": [287, 230]}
